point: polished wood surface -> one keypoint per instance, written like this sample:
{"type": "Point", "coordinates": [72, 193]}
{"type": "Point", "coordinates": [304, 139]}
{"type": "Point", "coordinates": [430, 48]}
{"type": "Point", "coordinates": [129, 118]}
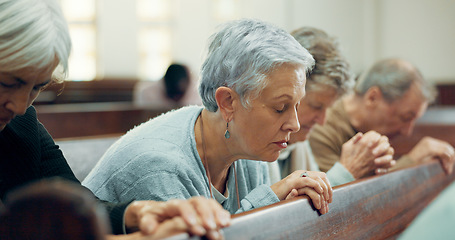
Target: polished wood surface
{"type": "Point", "coordinates": [91, 119]}
{"type": "Point", "coordinates": [378, 207]}
{"type": "Point", "coordinates": [446, 94]}
{"type": "Point", "coordinates": [104, 90]}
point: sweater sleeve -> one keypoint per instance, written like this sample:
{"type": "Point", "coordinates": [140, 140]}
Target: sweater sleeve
{"type": "Point", "coordinates": [53, 163]}
{"type": "Point", "coordinates": [338, 175]}
{"type": "Point", "coordinates": [116, 213]}
{"type": "Point", "coordinates": [260, 194]}
{"type": "Point", "coordinates": [259, 197]}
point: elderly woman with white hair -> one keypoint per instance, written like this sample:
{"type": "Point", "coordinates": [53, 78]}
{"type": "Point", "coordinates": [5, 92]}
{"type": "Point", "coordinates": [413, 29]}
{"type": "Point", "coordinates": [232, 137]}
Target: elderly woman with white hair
{"type": "Point", "coordinates": [251, 84]}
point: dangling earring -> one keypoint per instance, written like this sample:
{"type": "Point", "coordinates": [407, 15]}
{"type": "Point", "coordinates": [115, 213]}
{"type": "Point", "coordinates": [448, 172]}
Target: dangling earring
{"type": "Point", "coordinates": [227, 134]}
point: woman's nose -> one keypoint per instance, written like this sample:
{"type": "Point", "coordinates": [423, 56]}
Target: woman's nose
{"type": "Point", "coordinates": [293, 124]}
{"type": "Point", "coordinates": [18, 102]}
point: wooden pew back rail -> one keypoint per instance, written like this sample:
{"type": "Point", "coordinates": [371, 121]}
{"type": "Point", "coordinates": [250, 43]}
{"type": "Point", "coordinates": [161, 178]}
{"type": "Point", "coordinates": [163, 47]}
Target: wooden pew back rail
{"type": "Point", "coordinates": [379, 207]}
{"type": "Point", "coordinates": [92, 119]}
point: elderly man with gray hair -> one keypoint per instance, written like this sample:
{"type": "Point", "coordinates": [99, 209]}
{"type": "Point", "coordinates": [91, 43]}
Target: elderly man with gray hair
{"type": "Point", "coordinates": [388, 99]}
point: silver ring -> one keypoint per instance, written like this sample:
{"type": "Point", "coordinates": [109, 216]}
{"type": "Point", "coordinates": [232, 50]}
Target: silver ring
{"type": "Point", "coordinates": [305, 174]}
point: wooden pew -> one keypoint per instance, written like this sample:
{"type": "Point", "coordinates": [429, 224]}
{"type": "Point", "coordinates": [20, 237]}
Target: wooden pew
{"type": "Point", "coordinates": [378, 207]}
{"type": "Point", "coordinates": [446, 93]}
{"type": "Point", "coordinates": [91, 119]}
{"type": "Point", "coordinates": [100, 90]}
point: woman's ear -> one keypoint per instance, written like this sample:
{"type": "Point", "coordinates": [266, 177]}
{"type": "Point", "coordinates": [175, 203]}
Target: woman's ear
{"type": "Point", "coordinates": [225, 98]}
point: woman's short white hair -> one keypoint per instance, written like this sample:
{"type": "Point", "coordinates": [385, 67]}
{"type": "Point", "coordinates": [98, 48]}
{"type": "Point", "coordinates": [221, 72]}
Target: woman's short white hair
{"type": "Point", "coordinates": [241, 56]}
{"type": "Point", "coordinates": [33, 35]}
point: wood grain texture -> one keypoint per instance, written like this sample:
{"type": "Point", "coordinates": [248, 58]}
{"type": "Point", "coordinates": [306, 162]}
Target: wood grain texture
{"type": "Point", "coordinates": [378, 207]}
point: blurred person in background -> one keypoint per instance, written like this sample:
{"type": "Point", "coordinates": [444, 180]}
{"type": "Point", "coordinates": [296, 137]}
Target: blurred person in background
{"type": "Point", "coordinates": [176, 89]}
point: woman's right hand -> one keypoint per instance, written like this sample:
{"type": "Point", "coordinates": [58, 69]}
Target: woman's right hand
{"type": "Point", "coordinates": [315, 185]}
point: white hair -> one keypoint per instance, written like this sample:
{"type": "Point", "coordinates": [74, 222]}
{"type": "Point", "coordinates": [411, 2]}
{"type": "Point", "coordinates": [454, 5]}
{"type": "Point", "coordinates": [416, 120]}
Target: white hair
{"type": "Point", "coordinates": [242, 55]}
{"type": "Point", "coordinates": [33, 35]}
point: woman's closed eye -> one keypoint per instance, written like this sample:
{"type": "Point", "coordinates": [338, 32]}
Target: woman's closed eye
{"type": "Point", "coordinates": [317, 106]}
{"type": "Point", "coordinates": [41, 86]}
{"type": "Point", "coordinates": [5, 85]}
{"type": "Point", "coordinates": [36, 88]}
{"type": "Point", "coordinates": [281, 109]}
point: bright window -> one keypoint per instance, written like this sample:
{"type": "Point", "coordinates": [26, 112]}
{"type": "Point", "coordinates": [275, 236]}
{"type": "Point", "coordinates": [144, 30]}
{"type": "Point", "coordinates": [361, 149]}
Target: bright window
{"type": "Point", "coordinates": [81, 16]}
{"type": "Point", "coordinates": [154, 37]}
{"type": "Point", "coordinates": [155, 55]}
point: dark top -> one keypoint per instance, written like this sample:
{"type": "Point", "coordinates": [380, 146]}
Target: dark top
{"type": "Point", "coordinates": [28, 153]}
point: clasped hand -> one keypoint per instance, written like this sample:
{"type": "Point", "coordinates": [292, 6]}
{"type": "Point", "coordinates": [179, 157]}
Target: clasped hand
{"type": "Point", "coordinates": [315, 185]}
{"type": "Point", "coordinates": [367, 154]}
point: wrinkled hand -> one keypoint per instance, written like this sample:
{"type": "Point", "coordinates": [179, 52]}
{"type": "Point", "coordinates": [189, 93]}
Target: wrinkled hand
{"type": "Point", "coordinates": [430, 148]}
{"type": "Point", "coordinates": [367, 154]}
{"type": "Point", "coordinates": [165, 229]}
{"type": "Point", "coordinates": [384, 156]}
{"type": "Point", "coordinates": [197, 216]}
{"type": "Point", "coordinates": [316, 186]}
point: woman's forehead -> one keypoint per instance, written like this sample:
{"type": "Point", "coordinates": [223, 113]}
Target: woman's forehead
{"type": "Point", "coordinates": [287, 74]}
{"type": "Point", "coordinates": [286, 82]}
